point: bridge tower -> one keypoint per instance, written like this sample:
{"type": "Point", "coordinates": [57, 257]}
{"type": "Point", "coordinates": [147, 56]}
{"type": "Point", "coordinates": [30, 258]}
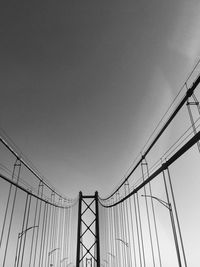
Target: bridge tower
{"type": "Point", "coordinates": [88, 231]}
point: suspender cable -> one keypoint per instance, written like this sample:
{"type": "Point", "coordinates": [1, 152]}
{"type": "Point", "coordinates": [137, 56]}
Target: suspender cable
{"type": "Point", "coordinates": [38, 223]}
{"type": "Point", "coordinates": [113, 248]}
{"type": "Point", "coordinates": [48, 234]}
{"type": "Point", "coordinates": [122, 233]}
{"type": "Point", "coordinates": [114, 235]}
{"type": "Point", "coordinates": [44, 255]}
{"type": "Point", "coordinates": [110, 238]}
{"type": "Point", "coordinates": [132, 229]}
{"type": "Point", "coordinates": [155, 225]}
{"type": "Point", "coordinates": [42, 236]}
{"type": "Point", "coordinates": [5, 215]}
{"type": "Point", "coordinates": [34, 224]}
{"type": "Point", "coordinates": [106, 235]}
{"type": "Point", "coordinates": [126, 237]}
{"type": "Point", "coordinates": [18, 251]}
{"type": "Point", "coordinates": [116, 221]}
{"type": "Point", "coordinates": [25, 234]}
{"type": "Point", "coordinates": [117, 256]}
{"type": "Point", "coordinates": [140, 227]}
{"type": "Point", "coordinates": [128, 229]}
{"type": "Point", "coordinates": [8, 201]}
{"type": "Point", "coordinates": [12, 211]}
{"type": "Point", "coordinates": [154, 216]}
{"type": "Point", "coordinates": [65, 235]}
{"type": "Point", "coordinates": [62, 235]}
{"type": "Point", "coordinates": [172, 222]}
{"type": "Point", "coordinates": [50, 248]}
{"type": "Point", "coordinates": [59, 244]}
{"type": "Point", "coordinates": [54, 228]}
{"type": "Point", "coordinates": [69, 237]}
{"type": "Point", "coordinates": [177, 219]}
{"type": "Point", "coordinates": [148, 216]}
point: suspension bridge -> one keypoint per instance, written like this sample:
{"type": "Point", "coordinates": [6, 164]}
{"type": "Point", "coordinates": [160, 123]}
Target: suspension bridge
{"type": "Point", "coordinates": [41, 227]}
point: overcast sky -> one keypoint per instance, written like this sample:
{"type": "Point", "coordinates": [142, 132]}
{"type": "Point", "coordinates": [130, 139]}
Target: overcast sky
{"type": "Point", "coordinates": [83, 83]}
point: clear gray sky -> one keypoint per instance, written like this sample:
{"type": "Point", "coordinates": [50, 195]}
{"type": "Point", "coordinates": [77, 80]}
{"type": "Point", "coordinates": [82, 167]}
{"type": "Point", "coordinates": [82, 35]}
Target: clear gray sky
{"type": "Point", "coordinates": [83, 83]}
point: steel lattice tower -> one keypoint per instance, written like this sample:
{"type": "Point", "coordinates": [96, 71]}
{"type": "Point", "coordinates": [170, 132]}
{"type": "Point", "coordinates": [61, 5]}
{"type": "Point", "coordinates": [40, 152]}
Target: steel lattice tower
{"type": "Point", "coordinates": [88, 218]}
